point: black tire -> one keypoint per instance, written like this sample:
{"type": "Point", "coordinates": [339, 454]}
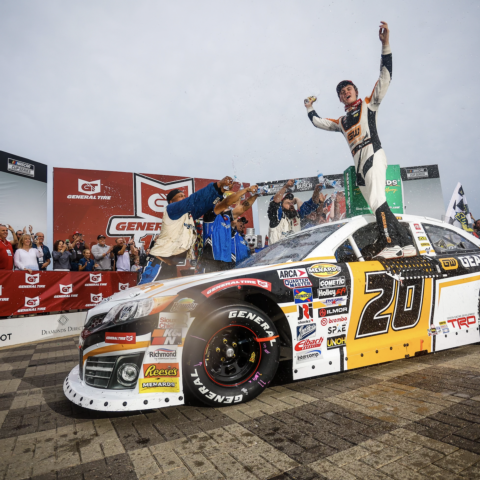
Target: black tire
{"type": "Point", "coordinates": [224, 363]}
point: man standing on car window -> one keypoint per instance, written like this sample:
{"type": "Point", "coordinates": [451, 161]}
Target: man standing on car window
{"type": "Point", "coordinates": [178, 235]}
{"type": "Point", "coordinates": [359, 126]}
{"type": "Point", "coordinates": [283, 218]}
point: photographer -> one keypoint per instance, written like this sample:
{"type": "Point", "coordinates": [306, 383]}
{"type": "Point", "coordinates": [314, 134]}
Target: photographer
{"type": "Point", "coordinates": [122, 252]}
{"type": "Point", "coordinates": [178, 234]}
{"type": "Point", "coordinates": [283, 217]}
{"type": "Point", "coordinates": [78, 246]}
{"type": "Point", "coordinates": [62, 255]}
{"type": "Point", "coordinates": [102, 254]}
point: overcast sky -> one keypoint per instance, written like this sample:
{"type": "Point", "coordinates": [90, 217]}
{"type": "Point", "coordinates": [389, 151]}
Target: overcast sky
{"type": "Point", "coordinates": [209, 88]}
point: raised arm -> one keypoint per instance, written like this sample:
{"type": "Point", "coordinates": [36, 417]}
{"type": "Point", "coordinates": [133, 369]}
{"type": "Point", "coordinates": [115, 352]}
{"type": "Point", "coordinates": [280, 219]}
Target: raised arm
{"type": "Point", "coordinates": [239, 210]}
{"type": "Point", "coordinates": [323, 123]}
{"type": "Point", "coordinates": [233, 198]}
{"type": "Point", "coordinates": [385, 78]}
{"type": "Point", "coordinates": [198, 203]}
{"type": "Point", "coordinates": [281, 193]}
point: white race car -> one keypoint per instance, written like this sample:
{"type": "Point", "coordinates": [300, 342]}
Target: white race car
{"type": "Point", "coordinates": [316, 299]}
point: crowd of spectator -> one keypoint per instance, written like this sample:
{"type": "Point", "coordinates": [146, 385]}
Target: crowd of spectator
{"type": "Point", "coordinates": [28, 252]}
{"type": "Point", "coordinates": [216, 243]}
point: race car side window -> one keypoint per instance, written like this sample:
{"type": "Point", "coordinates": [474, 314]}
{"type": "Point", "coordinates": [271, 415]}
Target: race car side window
{"type": "Point", "coordinates": [344, 253]}
{"type": "Point", "coordinates": [447, 241]}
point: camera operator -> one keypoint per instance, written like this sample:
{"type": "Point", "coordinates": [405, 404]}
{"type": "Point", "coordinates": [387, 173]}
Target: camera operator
{"type": "Point", "coordinates": [122, 252]}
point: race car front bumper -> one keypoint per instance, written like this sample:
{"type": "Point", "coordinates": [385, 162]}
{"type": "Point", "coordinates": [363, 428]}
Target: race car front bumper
{"type": "Point", "coordinates": [115, 400]}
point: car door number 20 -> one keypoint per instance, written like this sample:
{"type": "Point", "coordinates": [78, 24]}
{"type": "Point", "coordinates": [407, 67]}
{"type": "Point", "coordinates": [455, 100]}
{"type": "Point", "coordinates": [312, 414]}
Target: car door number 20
{"type": "Point", "coordinates": [408, 298]}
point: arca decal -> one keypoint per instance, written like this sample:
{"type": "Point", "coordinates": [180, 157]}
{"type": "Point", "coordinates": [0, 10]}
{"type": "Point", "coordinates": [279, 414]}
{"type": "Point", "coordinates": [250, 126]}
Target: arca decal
{"type": "Point", "coordinates": [324, 270]}
{"type": "Point", "coordinates": [292, 273]}
{"type": "Point", "coordinates": [238, 282]}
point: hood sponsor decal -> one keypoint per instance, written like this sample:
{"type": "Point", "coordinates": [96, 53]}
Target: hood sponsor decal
{"type": "Point", "coordinates": [161, 384]}
{"type": "Point", "coordinates": [324, 270]}
{"type": "Point", "coordinates": [184, 305]}
{"type": "Point", "coordinates": [120, 337]}
{"type": "Point", "coordinates": [162, 353]}
{"type": "Point", "coordinates": [238, 282]}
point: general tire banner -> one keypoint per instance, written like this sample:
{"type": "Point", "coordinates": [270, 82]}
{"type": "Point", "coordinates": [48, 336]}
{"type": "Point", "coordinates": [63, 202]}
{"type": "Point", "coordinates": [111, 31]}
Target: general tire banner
{"type": "Point", "coordinates": [115, 204]}
{"type": "Point", "coordinates": [22, 293]}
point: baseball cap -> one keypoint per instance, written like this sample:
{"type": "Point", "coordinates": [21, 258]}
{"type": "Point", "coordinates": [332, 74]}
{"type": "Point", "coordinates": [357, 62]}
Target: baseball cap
{"type": "Point", "coordinates": [77, 233]}
{"type": "Point", "coordinates": [100, 236]}
{"type": "Point", "coordinates": [242, 220]}
{"type": "Point", "coordinates": [172, 194]}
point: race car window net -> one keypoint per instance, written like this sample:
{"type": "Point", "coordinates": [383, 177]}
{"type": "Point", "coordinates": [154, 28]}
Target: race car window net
{"type": "Point", "coordinates": [445, 240]}
{"type": "Point", "coordinates": [294, 248]}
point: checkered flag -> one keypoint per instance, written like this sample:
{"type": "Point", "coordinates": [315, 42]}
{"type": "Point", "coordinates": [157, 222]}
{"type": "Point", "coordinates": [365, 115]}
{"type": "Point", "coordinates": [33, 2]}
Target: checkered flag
{"type": "Point", "coordinates": [458, 213]}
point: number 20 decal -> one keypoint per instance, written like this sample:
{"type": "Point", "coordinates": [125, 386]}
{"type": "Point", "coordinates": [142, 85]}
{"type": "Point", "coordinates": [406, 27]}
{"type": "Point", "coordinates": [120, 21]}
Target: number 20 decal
{"type": "Point", "coordinates": [408, 298]}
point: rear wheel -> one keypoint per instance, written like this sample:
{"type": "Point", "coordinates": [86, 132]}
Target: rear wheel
{"type": "Point", "coordinates": [230, 355]}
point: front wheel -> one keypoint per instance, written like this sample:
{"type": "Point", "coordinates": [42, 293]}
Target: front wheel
{"type": "Point", "coordinates": [230, 355]}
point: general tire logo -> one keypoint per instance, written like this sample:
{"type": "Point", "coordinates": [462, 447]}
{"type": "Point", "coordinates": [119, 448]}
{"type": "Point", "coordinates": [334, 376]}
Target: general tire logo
{"type": "Point", "coordinates": [96, 297]}
{"type": "Point", "coordinates": [32, 279]}
{"type": "Point", "coordinates": [150, 201]}
{"type": "Point", "coordinates": [89, 187]}
{"type": "Point", "coordinates": [95, 277]}
{"type": "Point", "coordinates": [32, 302]}
{"type": "Point", "coordinates": [123, 286]}
{"type": "Point", "coordinates": [66, 289]}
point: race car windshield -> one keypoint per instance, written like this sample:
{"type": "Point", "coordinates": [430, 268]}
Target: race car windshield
{"type": "Point", "coordinates": [292, 249]}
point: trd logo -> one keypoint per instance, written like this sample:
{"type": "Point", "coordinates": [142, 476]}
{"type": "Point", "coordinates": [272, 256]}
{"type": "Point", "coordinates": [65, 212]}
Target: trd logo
{"type": "Point", "coordinates": [463, 321]}
{"type": "Point", "coordinates": [65, 289]}
{"type": "Point", "coordinates": [305, 311]}
{"type": "Point", "coordinates": [354, 133]}
{"type": "Point", "coordinates": [448, 263]}
{"type": "Point", "coordinates": [96, 297]}
{"type": "Point", "coordinates": [32, 279]}
{"type": "Point", "coordinates": [84, 186]}
{"type": "Point", "coordinates": [392, 183]}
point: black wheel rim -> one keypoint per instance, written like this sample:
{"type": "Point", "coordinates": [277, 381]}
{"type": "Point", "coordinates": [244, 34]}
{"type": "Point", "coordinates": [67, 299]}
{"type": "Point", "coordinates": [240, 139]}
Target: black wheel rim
{"type": "Point", "coordinates": [232, 355]}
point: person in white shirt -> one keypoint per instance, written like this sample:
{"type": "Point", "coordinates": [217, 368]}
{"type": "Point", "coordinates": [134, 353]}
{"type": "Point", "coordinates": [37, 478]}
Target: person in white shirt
{"type": "Point", "coordinates": [25, 257]}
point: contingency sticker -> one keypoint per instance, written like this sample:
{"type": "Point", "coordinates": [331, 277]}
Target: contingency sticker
{"type": "Point", "coordinates": [161, 384]}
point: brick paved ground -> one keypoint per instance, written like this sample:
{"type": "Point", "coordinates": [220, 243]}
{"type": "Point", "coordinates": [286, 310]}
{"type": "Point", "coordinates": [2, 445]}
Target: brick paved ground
{"type": "Point", "coordinates": [411, 419]}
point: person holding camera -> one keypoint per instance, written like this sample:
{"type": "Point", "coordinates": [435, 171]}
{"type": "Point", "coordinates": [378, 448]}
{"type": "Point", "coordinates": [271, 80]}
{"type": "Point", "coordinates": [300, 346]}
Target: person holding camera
{"type": "Point", "coordinates": [102, 254]}
{"type": "Point", "coordinates": [62, 256]}
{"type": "Point", "coordinates": [78, 246]}
{"type": "Point", "coordinates": [283, 218]}
{"type": "Point", "coordinates": [122, 252]}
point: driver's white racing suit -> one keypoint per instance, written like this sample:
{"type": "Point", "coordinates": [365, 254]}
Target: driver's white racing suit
{"type": "Point", "coordinates": [359, 126]}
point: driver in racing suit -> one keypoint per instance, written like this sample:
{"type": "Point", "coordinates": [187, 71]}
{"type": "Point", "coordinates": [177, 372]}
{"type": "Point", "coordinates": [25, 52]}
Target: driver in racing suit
{"type": "Point", "coordinates": [359, 126]}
